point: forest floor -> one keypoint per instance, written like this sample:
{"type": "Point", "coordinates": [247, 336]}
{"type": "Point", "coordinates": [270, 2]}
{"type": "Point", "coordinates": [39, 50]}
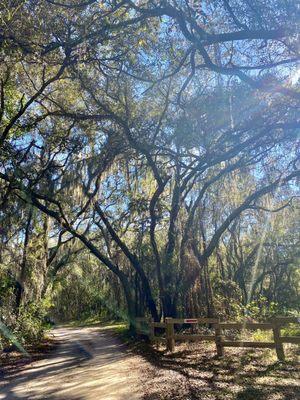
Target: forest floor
{"type": "Point", "coordinates": [93, 363]}
{"type": "Point", "coordinates": [193, 372]}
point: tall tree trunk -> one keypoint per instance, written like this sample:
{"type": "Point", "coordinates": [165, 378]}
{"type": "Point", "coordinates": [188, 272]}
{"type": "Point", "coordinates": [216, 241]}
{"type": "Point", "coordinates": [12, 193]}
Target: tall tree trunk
{"type": "Point", "coordinates": [211, 312]}
{"type": "Point", "coordinates": [129, 300]}
{"type": "Point", "coordinates": [134, 262]}
{"type": "Point", "coordinates": [21, 281]}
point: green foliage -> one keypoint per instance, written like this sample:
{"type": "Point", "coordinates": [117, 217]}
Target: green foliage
{"type": "Point", "coordinates": [30, 324]}
{"type": "Point", "coordinates": [262, 336]}
{"type": "Point", "coordinates": [228, 298]}
{"type": "Point", "coordinates": [26, 328]}
{"type": "Point", "coordinates": [7, 285]}
{"type": "Point", "coordinates": [155, 122]}
{"type": "Point", "coordinates": [83, 291]}
{"type": "Point", "coordinates": [261, 309]}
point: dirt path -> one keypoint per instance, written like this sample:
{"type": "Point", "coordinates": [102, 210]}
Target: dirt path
{"type": "Point", "coordinates": [89, 363]}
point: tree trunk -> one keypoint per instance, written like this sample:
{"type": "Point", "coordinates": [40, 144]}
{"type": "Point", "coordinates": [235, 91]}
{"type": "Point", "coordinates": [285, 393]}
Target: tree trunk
{"type": "Point", "coordinates": [208, 291]}
{"type": "Point", "coordinates": [129, 300]}
{"type": "Point", "coordinates": [169, 307]}
{"type": "Point", "coordinates": [20, 284]}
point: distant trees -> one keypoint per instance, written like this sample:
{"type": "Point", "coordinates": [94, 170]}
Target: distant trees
{"type": "Point", "coordinates": [154, 135]}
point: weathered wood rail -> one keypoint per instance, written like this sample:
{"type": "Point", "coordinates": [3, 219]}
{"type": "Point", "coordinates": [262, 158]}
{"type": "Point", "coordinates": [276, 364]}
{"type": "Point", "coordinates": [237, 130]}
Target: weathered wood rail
{"type": "Point", "coordinates": [147, 326]}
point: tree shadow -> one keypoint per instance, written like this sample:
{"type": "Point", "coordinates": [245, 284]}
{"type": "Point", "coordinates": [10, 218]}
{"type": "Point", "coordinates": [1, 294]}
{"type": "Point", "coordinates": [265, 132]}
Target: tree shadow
{"type": "Point", "coordinates": [239, 375]}
{"type": "Point", "coordinates": [82, 366]}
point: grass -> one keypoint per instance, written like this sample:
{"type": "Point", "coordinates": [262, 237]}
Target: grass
{"type": "Point", "coordinates": [90, 321]}
{"type": "Point", "coordinates": [105, 323]}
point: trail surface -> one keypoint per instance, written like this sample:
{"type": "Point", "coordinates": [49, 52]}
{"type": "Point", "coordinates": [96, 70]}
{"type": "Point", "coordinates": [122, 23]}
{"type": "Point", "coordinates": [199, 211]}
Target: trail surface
{"type": "Point", "coordinates": [88, 363]}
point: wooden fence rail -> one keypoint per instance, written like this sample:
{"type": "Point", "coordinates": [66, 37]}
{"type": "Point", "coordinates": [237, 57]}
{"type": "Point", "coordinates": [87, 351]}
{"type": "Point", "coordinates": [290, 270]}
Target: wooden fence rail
{"type": "Point", "coordinates": [148, 326]}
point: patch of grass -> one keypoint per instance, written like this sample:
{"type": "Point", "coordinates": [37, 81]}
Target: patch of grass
{"type": "Point", "coordinates": [117, 327]}
{"type": "Point", "coordinates": [121, 328]}
{"type": "Point", "coordinates": [105, 323]}
{"type": "Point", "coordinates": [90, 321]}
{"type": "Point", "coordinates": [291, 330]}
{"type": "Point", "coordinates": [262, 336]}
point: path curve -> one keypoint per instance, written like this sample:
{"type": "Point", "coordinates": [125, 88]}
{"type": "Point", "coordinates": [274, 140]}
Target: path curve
{"type": "Point", "coordinates": [89, 363]}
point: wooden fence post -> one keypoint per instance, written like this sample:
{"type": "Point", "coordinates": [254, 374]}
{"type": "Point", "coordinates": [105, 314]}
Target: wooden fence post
{"type": "Point", "coordinates": [170, 334]}
{"type": "Point", "coordinates": [278, 344]}
{"type": "Point", "coordinates": [193, 329]}
{"type": "Point", "coordinates": [218, 339]}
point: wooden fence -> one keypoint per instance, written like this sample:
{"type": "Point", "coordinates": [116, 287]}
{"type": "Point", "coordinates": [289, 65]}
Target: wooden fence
{"type": "Point", "coordinates": [147, 326]}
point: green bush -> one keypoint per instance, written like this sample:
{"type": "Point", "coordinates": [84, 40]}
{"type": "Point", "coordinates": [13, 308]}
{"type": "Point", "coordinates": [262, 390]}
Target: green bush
{"type": "Point", "coordinates": [261, 309]}
{"type": "Point", "coordinates": [30, 325]}
{"type": "Point", "coordinates": [26, 328]}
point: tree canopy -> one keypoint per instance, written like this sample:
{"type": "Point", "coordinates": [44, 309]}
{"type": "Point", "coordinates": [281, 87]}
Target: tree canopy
{"type": "Point", "coordinates": [149, 149]}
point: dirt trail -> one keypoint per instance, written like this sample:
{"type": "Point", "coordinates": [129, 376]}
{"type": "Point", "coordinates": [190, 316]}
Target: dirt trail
{"type": "Point", "coordinates": [89, 363]}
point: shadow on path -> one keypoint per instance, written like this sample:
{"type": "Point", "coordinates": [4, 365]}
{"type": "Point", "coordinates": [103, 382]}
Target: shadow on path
{"type": "Point", "coordinates": [87, 364]}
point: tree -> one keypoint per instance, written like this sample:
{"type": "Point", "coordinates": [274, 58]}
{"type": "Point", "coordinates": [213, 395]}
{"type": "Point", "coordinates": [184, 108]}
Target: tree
{"type": "Point", "coordinates": [104, 107]}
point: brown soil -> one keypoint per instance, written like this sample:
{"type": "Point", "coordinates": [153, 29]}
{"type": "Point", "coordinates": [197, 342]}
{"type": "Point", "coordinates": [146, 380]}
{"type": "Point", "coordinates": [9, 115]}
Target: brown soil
{"type": "Point", "coordinates": [88, 363]}
{"type": "Point", "coordinates": [92, 363]}
{"type": "Point", "coordinates": [193, 372]}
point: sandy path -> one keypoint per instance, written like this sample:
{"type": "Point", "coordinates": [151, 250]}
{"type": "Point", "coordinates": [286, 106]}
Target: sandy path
{"type": "Point", "coordinates": [89, 363]}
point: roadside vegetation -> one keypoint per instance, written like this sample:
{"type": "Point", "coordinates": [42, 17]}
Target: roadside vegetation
{"type": "Point", "coordinates": [149, 166]}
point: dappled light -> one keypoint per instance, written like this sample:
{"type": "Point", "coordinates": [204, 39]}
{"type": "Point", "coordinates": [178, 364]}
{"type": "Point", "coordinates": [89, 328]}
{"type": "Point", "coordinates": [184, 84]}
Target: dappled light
{"type": "Point", "coordinates": [103, 369]}
{"type": "Point", "coordinates": [193, 371]}
{"type": "Point", "coordinates": [149, 199]}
